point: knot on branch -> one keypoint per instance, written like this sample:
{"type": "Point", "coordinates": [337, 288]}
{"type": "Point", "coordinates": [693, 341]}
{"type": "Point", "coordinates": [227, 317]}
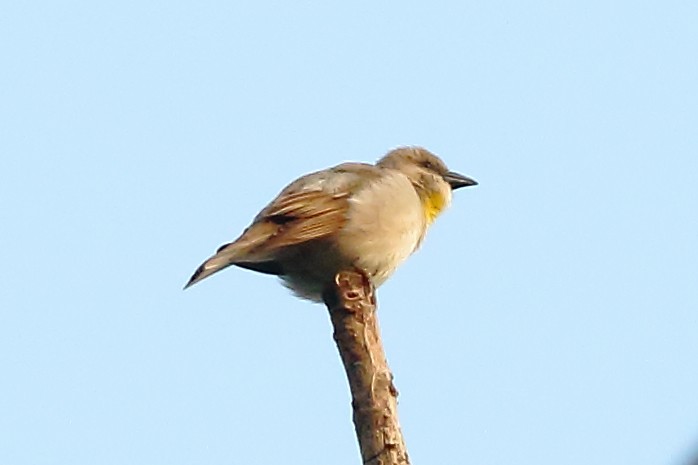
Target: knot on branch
{"type": "Point", "coordinates": [351, 290]}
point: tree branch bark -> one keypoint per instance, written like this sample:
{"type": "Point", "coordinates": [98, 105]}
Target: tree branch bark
{"type": "Point", "coordinates": [352, 306]}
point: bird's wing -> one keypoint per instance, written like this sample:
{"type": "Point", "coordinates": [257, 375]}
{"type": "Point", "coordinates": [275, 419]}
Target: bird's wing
{"type": "Point", "coordinates": [298, 217]}
{"type": "Point", "coordinates": [312, 207]}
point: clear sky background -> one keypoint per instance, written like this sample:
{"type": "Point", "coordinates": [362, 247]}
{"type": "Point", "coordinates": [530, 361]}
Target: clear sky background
{"type": "Point", "coordinates": [551, 316]}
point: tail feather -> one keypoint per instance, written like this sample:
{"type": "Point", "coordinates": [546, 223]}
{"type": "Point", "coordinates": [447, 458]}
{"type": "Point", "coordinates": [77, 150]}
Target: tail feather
{"type": "Point", "coordinates": [212, 265]}
{"type": "Point", "coordinates": [247, 250]}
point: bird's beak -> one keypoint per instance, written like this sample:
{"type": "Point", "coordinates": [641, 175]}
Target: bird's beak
{"type": "Point", "coordinates": [456, 180]}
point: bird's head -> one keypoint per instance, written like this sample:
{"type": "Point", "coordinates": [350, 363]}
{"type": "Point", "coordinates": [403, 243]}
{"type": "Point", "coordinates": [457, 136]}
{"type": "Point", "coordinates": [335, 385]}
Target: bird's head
{"type": "Point", "coordinates": [429, 175]}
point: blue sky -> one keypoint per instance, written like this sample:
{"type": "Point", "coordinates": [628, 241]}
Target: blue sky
{"type": "Point", "coordinates": [550, 316]}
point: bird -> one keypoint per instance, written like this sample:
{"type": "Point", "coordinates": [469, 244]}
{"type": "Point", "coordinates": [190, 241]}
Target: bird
{"type": "Point", "coordinates": [353, 216]}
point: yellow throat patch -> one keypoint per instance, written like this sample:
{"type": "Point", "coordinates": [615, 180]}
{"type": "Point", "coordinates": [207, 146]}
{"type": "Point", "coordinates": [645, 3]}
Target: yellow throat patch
{"type": "Point", "coordinates": [433, 204]}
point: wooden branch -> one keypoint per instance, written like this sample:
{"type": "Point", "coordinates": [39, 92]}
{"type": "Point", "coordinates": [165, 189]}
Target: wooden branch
{"type": "Point", "coordinates": [352, 306]}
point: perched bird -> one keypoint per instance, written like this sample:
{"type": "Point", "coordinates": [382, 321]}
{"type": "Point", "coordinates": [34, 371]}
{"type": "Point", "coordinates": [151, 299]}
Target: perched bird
{"type": "Point", "coordinates": [352, 216]}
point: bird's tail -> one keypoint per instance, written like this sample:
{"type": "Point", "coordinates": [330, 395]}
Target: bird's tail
{"type": "Point", "coordinates": [221, 260]}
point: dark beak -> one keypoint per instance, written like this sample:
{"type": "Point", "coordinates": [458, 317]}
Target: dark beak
{"type": "Point", "coordinates": [456, 180]}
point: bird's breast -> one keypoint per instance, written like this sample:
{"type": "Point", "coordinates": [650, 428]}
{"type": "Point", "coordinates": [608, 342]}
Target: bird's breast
{"type": "Point", "coordinates": [385, 224]}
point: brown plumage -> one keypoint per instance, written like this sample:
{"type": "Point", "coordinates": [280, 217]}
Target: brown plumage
{"type": "Point", "coordinates": [353, 215]}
